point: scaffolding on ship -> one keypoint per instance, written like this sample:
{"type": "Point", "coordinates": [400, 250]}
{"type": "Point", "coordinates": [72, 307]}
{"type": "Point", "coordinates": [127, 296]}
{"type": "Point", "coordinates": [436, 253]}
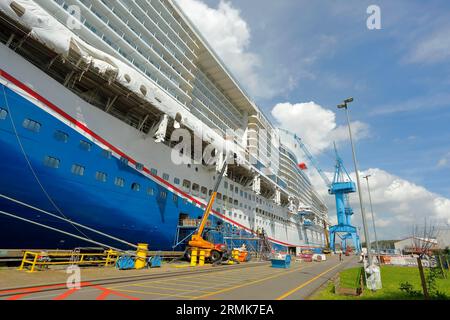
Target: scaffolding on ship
{"type": "Point", "coordinates": [257, 244]}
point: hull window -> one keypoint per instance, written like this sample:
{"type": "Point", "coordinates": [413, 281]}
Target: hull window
{"type": "Point", "coordinates": [51, 162]}
{"type": "Point", "coordinates": [84, 145]}
{"type": "Point", "coordinates": [135, 186]}
{"type": "Point", "coordinates": [120, 182]}
{"type": "Point", "coordinates": [78, 170]}
{"type": "Point", "coordinates": [61, 136]}
{"type": "Point", "coordinates": [107, 154]}
{"type": "Point", "coordinates": [31, 125]}
{"type": "Point", "coordinates": [186, 185]}
{"type": "Point", "coordinates": [124, 161]}
{"type": "Point", "coordinates": [3, 114]}
{"type": "Point", "coordinates": [139, 166]}
{"type": "Point", "coordinates": [100, 176]}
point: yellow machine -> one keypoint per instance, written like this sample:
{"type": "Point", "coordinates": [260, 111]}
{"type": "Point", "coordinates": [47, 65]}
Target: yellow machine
{"type": "Point", "coordinates": [213, 252]}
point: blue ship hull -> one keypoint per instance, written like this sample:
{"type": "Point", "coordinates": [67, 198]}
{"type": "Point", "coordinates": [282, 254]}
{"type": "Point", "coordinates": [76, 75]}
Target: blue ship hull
{"type": "Point", "coordinates": [135, 216]}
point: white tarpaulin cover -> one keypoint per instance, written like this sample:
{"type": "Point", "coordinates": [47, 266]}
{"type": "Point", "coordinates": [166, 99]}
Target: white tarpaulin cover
{"type": "Point", "coordinates": [56, 36]}
{"type": "Point", "coordinates": [373, 280]}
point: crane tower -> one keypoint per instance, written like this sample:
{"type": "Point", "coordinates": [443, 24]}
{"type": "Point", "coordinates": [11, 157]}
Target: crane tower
{"type": "Point", "coordinates": [341, 187]}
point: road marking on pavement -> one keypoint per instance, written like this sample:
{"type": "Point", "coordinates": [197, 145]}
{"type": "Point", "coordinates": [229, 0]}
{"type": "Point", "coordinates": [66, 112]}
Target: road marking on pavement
{"type": "Point", "coordinates": [193, 283]}
{"type": "Point", "coordinates": [193, 276]}
{"type": "Point", "coordinates": [179, 284]}
{"type": "Point", "coordinates": [221, 280]}
{"type": "Point", "coordinates": [306, 283]}
{"type": "Point", "coordinates": [190, 285]}
{"type": "Point", "coordinates": [155, 293]}
{"type": "Point", "coordinates": [66, 294]}
{"type": "Point", "coordinates": [53, 295]}
{"type": "Point", "coordinates": [166, 288]}
{"type": "Point", "coordinates": [248, 283]}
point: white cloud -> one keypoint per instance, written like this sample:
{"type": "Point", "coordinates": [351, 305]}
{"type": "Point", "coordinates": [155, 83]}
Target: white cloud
{"type": "Point", "coordinates": [229, 36]}
{"type": "Point", "coordinates": [427, 102]}
{"type": "Point", "coordinates": [433, 48]}
{"type": "Point", "coordinates": [315, 125]}
{"type": "Point", "coordinates": [398, 204]}
{"type": "Point", "coordinates": [444, 161]}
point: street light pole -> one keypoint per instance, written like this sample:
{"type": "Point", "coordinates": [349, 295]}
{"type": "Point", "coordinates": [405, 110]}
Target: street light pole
{"type": "Point", "coordinates": [373, 218]}
{"type": "Point", "coordinates": [344, 105]}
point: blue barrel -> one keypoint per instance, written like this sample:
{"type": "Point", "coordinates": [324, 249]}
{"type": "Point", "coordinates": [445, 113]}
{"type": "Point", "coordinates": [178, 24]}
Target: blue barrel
{"type": "Point", "coordinates": [125, 263]}
{"type": "Point", "coordinates": [154, 262]}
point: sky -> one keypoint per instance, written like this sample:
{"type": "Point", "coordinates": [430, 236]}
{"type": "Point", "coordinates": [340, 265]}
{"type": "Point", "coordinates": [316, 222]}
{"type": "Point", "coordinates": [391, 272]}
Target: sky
{"type": "Point", "coordinates": [298, 59]}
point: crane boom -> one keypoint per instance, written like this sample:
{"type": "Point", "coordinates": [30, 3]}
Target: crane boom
{"type": "Point", "coordinates": [197, 240]}
{"type": "Point", "coordinates": [211, 200]}
{"type": "Point", "coordinates": [310, 157]}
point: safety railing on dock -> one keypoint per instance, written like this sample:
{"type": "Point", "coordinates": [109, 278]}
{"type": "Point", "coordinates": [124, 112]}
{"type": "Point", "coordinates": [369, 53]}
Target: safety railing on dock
{"type": "Point", "coordinates": [34, 260]}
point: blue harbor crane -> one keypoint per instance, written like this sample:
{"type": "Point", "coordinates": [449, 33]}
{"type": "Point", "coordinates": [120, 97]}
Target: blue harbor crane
{"type": "Point", "coordinates": [341, 187]}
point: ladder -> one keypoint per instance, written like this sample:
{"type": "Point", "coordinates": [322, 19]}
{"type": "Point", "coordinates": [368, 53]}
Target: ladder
{"type": "Point", "coordinates": [265, 247]}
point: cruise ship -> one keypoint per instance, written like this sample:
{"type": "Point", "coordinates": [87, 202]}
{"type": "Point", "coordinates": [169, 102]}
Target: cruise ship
{"type": "Point", "coordinates": [92, 94]}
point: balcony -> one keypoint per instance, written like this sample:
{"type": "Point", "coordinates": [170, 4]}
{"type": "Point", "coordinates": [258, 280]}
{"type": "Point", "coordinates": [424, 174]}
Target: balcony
{"type": "Point", "coordinates": [310, 225]}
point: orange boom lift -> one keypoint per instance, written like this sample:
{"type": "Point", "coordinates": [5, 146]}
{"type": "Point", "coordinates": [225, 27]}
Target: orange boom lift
{"type": "Point", "coordinates": [213, 252]}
